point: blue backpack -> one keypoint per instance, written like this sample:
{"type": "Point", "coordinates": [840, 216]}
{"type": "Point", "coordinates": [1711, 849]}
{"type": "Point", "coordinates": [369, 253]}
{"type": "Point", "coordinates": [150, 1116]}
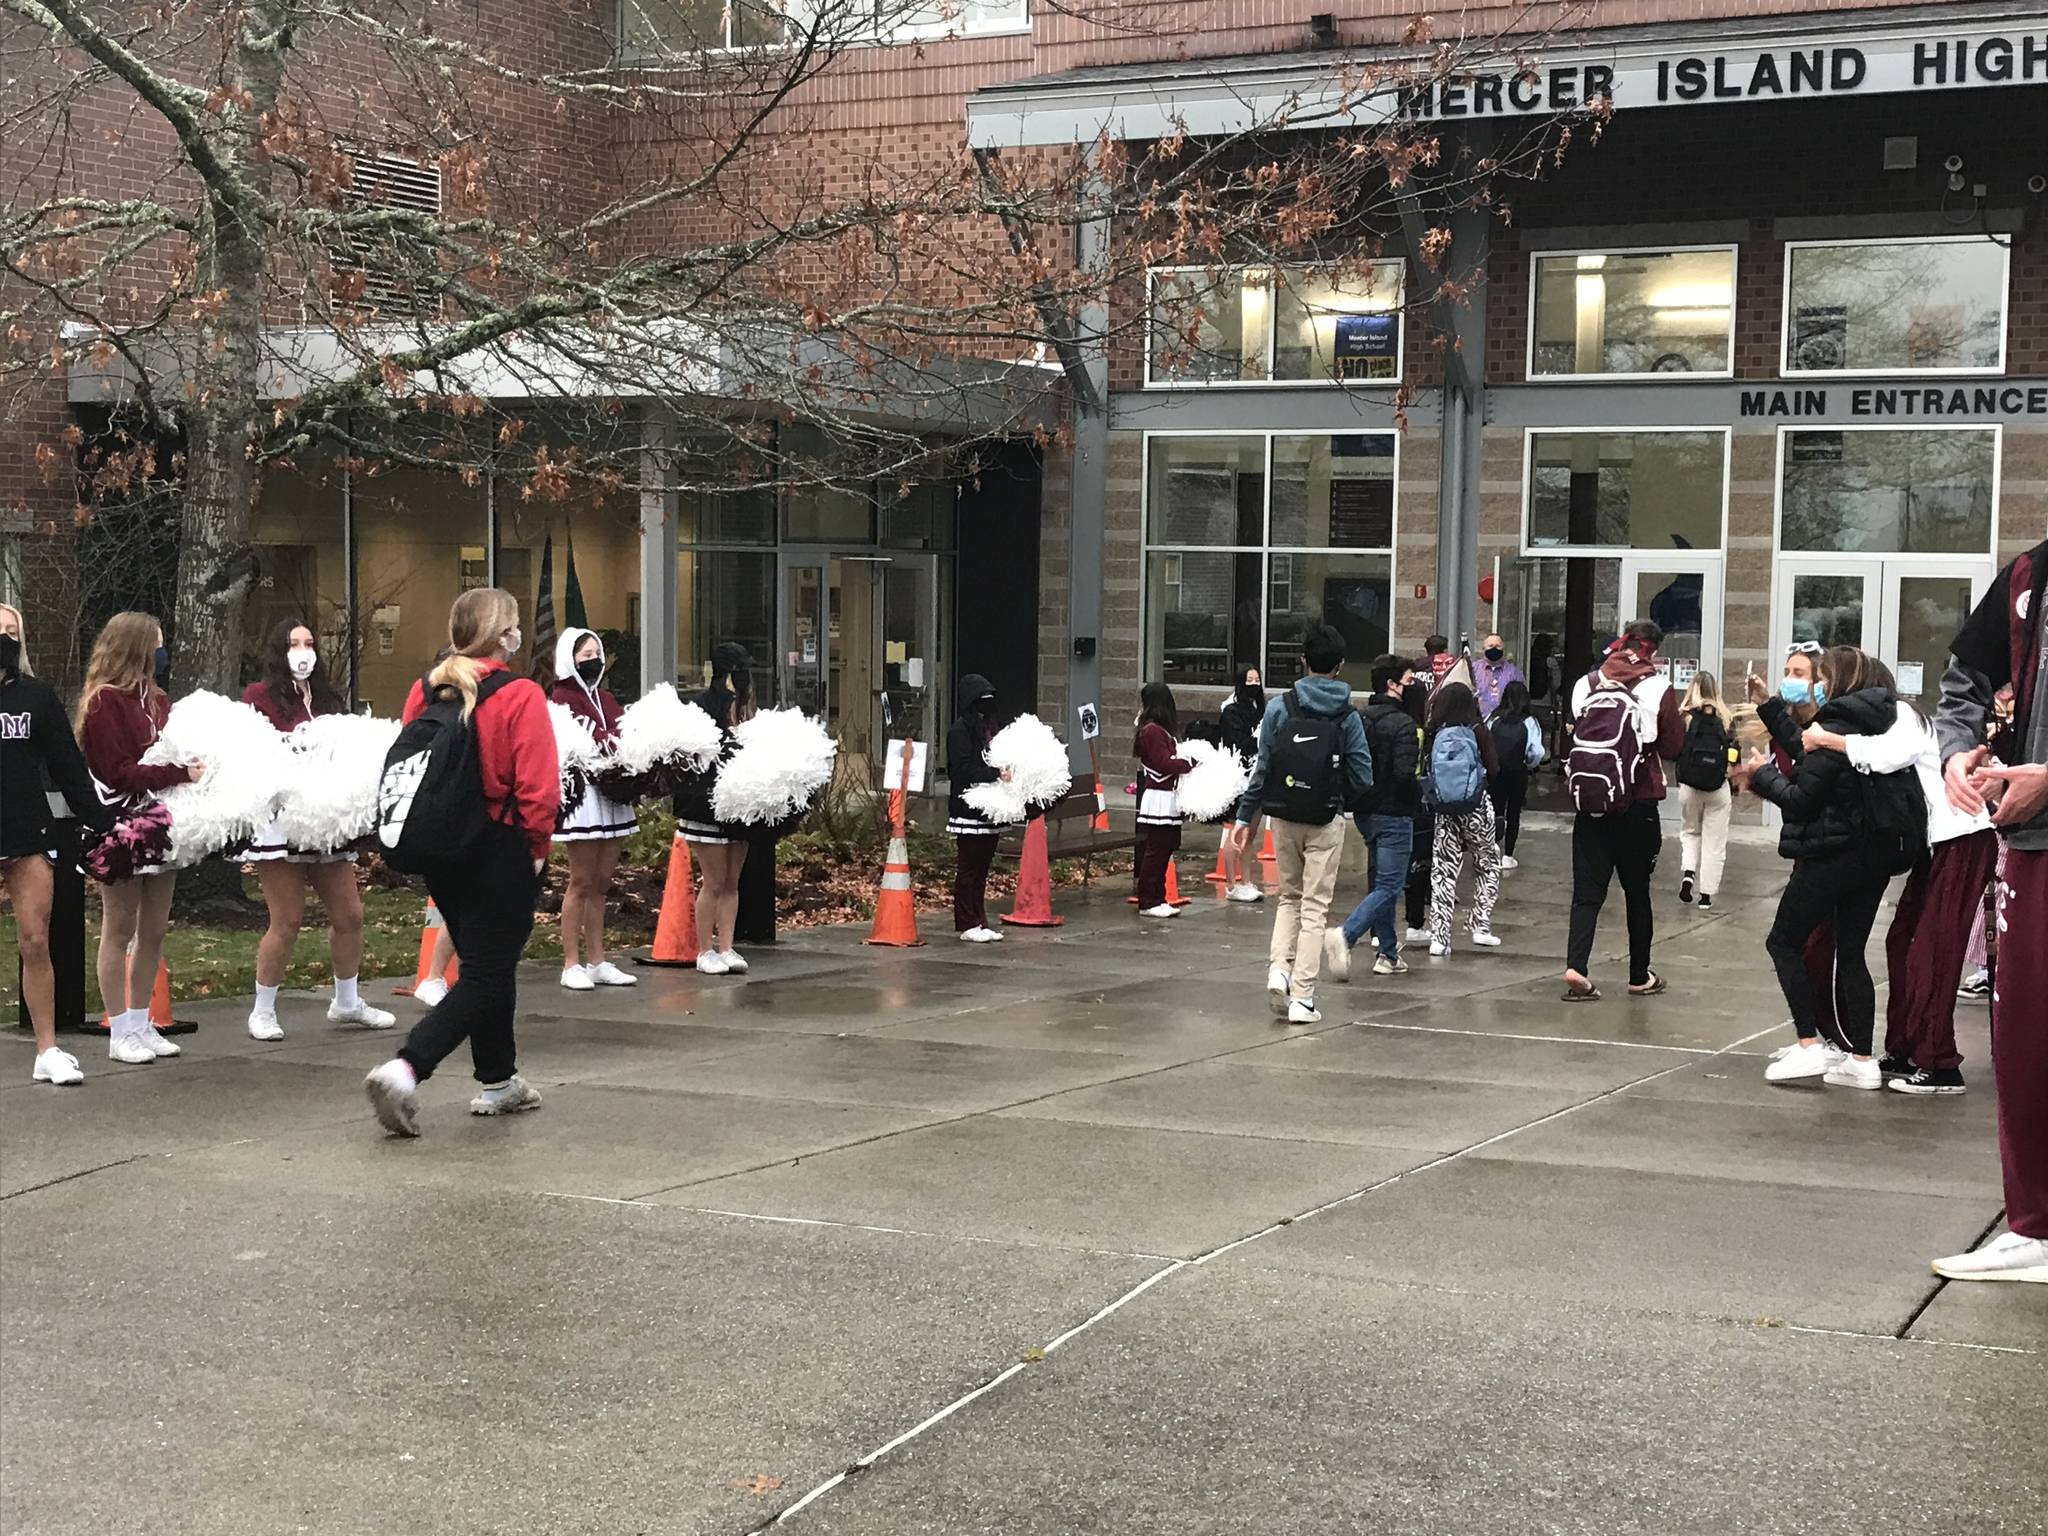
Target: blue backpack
{"type": "Point", "coordinates": [1457, 777]}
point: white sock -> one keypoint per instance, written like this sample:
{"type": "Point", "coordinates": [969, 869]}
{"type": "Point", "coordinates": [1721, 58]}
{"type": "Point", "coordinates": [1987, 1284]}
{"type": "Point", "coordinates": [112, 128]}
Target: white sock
{"type": "Point", "coordinates": [135, 1021]}
{"type": "Point", "coordinates": [344, 992]}
{"type": "Point", "coordinates": [266, 999]}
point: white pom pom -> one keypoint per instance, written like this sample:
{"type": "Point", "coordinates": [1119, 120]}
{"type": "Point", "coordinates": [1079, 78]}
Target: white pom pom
{"type": "Point", "coordinates": [575, 746]}
{"type": "Point", "coordinates": [784, 758]}
{"type": "Point", "coordinates": [1213, 787]}
{"type": "Point", "coordinates": [247, 764]}
{"type": "Point", "coordinates": [330, 791]}
{"type": "Point", "coordinates": [1037, 761]}
{"type": "Point", "coordinates": [660, 728]}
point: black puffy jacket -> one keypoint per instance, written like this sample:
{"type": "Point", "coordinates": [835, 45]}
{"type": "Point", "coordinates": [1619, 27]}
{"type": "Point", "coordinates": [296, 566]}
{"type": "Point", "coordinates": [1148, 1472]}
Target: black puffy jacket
{"type": "Point", "coordinates": [1396, 743]}
{"type": "Point", "coordinates": [1822, 798]}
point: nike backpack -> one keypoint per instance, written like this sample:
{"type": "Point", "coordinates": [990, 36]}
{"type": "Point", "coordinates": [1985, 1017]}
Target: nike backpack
{"type": "Point", "coordinates": [1302, 766]}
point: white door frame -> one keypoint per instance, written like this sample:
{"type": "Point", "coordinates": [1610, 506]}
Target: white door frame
{"type": "Point", "coordinates": [1881, 576]}
{"type": "Point", "coordinates": [1709, 565]}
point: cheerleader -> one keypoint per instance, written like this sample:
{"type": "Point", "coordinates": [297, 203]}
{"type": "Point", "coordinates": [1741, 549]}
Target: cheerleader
{"type": "Point", "coordinates": [974, 835]}
{"type": "Point", "coordinates": [597, 829]}
{"type": "Point", "coordinates": [1160, 768]}
{"type": "Point", "coordinates": [36, 748]}
{"type": "Point", "coordinates": [293, 690]}
{"type": "Point", "coordinates": [1242, 713]}
{"type": "Point", "coordinates": [720, 849]}
{"type": "Point", "coordinates": [120, 714]}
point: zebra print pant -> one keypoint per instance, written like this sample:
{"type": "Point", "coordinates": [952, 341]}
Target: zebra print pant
{"type": "Point", "coordinates": [1468, 832]}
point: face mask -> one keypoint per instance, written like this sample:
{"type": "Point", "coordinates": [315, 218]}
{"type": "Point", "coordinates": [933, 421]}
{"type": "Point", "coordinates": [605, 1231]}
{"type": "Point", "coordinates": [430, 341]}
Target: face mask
{"type": "Point", "coordinates": [1796, 690]}
{"type": "Point", "coordinates": [512, 639]}
{"type": "Point", "coordinates": [301, 662]}
{"type": "Point", "coordinates": [1494, 653]}
{"type": "Point", "coordinates": [10, 653]}
{"type": "Point", "coordinates": [162, 664]}
{"type": "Point", "coordinates": [591, 670]}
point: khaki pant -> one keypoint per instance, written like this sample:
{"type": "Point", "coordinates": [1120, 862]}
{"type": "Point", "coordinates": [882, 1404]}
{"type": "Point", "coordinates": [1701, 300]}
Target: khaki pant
{"type": "Point", "coordinates": [1703, 816]}
{"type": "Point", "coordinates": [1308, 858]}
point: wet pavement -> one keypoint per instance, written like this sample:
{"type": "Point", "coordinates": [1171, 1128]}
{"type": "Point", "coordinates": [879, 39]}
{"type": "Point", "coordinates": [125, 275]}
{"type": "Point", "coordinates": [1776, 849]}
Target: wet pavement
{"type": "Point", "coordinates": [1073, 1214]}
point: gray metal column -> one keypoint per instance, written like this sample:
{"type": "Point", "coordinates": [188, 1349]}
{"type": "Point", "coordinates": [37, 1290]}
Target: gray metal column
{"type": "Point", "coordinates": [1457, 552]}
{"type": "Point", "coordinates": [1090, 481]}
{"type": "Point", "coordinates": [658, 517]}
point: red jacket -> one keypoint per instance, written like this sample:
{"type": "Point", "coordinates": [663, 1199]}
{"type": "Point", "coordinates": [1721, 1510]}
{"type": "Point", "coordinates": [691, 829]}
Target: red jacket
{"type": "Point", "coordinates": [596, 708]}
{"type": "Point", "coordinates": [119, 728]}
{"type": "Point", "coordinates": [515, 743]}
{"type": "Point", "coordinates": [259, 698]}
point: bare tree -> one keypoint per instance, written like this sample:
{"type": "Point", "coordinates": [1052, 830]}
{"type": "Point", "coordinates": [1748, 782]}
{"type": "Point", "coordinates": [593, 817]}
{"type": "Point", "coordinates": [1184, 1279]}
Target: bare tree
{"type": "Point", "coordinates": [378, 231]}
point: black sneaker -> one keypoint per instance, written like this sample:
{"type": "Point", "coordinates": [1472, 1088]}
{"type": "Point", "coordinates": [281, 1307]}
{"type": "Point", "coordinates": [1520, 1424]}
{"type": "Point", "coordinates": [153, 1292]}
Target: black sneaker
{"type": "Point", "coordinates": [1685, 888]}
{"type": "Point", "coordinates": [1975, 988]}
{"type": "Point", "coordinates": [1896, 1066]}
{"type": "Point", "coordinates": [1929, 1080]}
{"type": "Point", "coordinates": [1706, 902]}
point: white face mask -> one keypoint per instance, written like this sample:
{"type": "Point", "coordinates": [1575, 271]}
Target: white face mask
{"type": "Point", "coordinates": [512, 638]}
{"type": "Point", "coordinates": [301, 662]}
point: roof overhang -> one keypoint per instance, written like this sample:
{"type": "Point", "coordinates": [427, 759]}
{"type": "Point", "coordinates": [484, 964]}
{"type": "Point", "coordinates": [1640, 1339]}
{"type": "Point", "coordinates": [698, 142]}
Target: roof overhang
{"type": "Point", "coordinates": [1963, 45]}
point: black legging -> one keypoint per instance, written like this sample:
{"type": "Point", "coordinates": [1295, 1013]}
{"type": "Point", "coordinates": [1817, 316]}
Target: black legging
{"type": "Point", "coordinates": [975, 853]}
{"type": "Point", "coordinates": [1421, 860]}
{"type": "Point", "coordinates": [1843, 890]}
{"type": "Point", "coordinates": [488, 906]}
{"type": "Point", "coordinates": [1510, 792]}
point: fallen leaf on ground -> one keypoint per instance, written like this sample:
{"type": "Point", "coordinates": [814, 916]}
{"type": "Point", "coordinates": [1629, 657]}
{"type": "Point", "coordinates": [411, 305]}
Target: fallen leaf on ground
{"type": "Point", "coordinates": [757, 1485]}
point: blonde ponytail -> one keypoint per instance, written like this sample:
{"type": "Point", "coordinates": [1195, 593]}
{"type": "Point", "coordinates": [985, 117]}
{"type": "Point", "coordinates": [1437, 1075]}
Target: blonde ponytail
{"type": "Point", "coordinates": [475, 624]}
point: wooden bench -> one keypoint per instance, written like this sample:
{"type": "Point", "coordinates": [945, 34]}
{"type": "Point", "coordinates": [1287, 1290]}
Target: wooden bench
{"type": "Point", "coordinates": [1070, 832]}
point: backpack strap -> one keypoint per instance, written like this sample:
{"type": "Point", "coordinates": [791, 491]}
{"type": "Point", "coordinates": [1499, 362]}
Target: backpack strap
{"type": "Point", "coordinates": [1292, 710]}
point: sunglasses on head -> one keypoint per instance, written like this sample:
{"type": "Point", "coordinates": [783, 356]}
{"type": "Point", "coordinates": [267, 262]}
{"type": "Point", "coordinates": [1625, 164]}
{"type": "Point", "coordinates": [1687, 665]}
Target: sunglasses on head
{"type": "Point", "coordinates": [1804, 648]}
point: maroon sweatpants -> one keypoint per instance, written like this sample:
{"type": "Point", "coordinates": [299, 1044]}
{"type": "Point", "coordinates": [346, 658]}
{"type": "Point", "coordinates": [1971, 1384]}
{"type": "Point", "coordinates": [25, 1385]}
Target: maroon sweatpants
{"type": "Point", "coordinates": [1156, 847]}
{"type": "Point", "coordinates": [1924, 951]}
{"type": "Point", "coordinates": [2019, 1040]}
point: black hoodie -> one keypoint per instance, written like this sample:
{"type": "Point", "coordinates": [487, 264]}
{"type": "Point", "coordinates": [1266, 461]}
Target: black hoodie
{"type": "Point", "coordinates": [38, 752]}
{"type": "Point", "coordinates": [966, 764]}
{"type": "Point", "coordinates": [1822, 797]}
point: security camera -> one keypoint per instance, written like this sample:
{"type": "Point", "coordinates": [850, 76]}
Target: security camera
{"type": "Point", "coordinates": [1952, 164]}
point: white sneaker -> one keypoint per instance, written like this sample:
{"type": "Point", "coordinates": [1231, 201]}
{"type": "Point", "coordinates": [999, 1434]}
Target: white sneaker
{"type": "Point", "coordinates": [430, 993]}
{"type": "Point", "coordinates": [1244, 890]}
{"type": "Point", "coordinates": [576, 979]}
{"type": "Point", "coordinates": [1336, 954]}
{"type": "Point", "coordinates": [1418, 935]}
{"type": "Point", "coordinates": [1486, 938]}
{"type": "Point", "coordinates": [1438, 951]}
{"type": "Point", "coordinates": [1277, 983]}
{"type": "Point", "coordinates": [1164, 909]}
{"type": "Point", "coordinates": [59, 1068]}
{"type": "Point", "coordinates": [1303, 1011]}
{"type": "Point", "coordinates": [735, 963]}
{"type": "Point", "coordinates": [360, 1012]}
{"type": "Point", "coordinates": [605, 974]}
{"type": "Point", "coordinates": [1852, 1072]}
{"type": "Point", "coordinates": [394, 1096]}
{"type": "Point", "coordinates": [2007, 1256]}
{"type": "Point", "coordinates": [1509, 861]}
{"type": "Point", "coordinates": [1797, 1062]}
{"type": "Point", "coordinates": [158, 1043]}
{"type": "Point", "coordinates": [506, 1098]}
{"type": "Point", "coordinates": [976, 936]}
{"type": "Point", "coordinates": [711, 963]}
{"type": "Point", "coordinates": [132, 1049]}
{"type": "Point", "coordinates": [263, 1025]}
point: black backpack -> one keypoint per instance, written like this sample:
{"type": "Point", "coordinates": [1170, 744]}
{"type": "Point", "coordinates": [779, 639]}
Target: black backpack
{"type": "Point", "coordinates": [1703, 760]}
{"type": "Point", "coordinates": [1302, 766]}
{"type": "Point", "coordinates": [1896, 812]}
{"type": "Point", "coordinates": [430, 798]}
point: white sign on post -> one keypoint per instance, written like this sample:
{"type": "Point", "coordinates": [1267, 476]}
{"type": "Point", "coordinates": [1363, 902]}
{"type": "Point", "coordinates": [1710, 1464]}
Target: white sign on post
{"type": "Point", "coordinates": [1091, 723]}
{"type": "Point", "coordinates": [893, 772]}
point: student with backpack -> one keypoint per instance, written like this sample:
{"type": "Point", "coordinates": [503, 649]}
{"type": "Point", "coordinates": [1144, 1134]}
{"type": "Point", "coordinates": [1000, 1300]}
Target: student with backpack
{"type": "Point", "coordinates": [1625, 726]}
{"type": "Point", "coordinates": [1160, 766]}
{"type": "Point", "coordinates": [1312, 759]}
{"type": "Point", "coordinates": [1462, 761]}
{"type": "Point", "coordinates": [1704, 801]}
{"type": "Point", "coordinates": [1847, 835]}
{"type": "Point", "coordinates": [1386, 816]}
{"type": "Point", "coordinates": [1518, 740]}
{"type": "Point", "coordinates": [468, 800]}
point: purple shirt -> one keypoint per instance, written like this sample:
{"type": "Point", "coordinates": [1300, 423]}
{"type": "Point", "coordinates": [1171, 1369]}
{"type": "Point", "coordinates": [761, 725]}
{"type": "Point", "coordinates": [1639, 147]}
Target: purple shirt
{"type": "Point", "coordinates": [1488, 680]}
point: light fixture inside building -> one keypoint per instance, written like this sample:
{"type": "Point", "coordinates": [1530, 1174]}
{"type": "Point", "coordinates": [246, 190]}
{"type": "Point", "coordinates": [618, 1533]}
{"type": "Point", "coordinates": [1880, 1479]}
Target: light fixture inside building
{"type": "Point", "coordinates": [1690, 296]}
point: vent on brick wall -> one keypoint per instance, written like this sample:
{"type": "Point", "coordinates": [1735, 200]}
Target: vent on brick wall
{"type": "Point", "coordinates": [399, 271]}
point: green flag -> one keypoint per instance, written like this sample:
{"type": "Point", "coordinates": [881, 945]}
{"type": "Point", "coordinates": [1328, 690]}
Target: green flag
{"type": "Point", "coordinates": [573, 615]}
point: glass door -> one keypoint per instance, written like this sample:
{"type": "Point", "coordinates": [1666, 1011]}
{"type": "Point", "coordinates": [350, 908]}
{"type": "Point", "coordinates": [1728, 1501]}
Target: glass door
{"type": "Point", "coordinates": [1682, 595]}
{"type": "Point", "coordinates": [1925, 603]}
{"type": "Point", "coordinates": [1829, 600]}
{"type": "Point", "coordinates": [807, 617]}
{"type": "Point", "coordinates": [910, 700]}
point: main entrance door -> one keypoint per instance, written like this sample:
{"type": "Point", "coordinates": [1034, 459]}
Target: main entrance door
{"type": "Point", "coordinates": [1682, 594]}
{"type": "Point", "coordinates": [1905, 610]}
{"type": "Point", "coordinates": [860, 647]}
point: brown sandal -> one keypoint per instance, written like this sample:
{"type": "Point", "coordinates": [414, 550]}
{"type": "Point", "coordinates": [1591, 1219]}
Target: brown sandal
{"type": "Point", "coordinates": [1586, 994]}
{"type": "Point", "coordinates": [1649, 989]}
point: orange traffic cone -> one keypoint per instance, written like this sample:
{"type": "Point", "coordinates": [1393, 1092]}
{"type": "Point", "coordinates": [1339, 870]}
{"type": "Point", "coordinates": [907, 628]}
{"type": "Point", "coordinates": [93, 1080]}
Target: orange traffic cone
{"type": "Point", "coordinates": [1266, 857]}
{"type": "Point", "coordinates": [430, 935]}
{"type": "Point", "coordinates": [675, 928]}
{"type": "Point", "coordinates": [1217, 876]}
{"type": "Point", "coordinates": [1173, 895]}
{"type": "Point", "coordinates": [895, 904]}
{"type": "Point", "coordinates": [1034, 883]}
{"type": "Point", "coordinates": [1101, 821]}
{"type": "Point", "coordinates": [160, 1016]}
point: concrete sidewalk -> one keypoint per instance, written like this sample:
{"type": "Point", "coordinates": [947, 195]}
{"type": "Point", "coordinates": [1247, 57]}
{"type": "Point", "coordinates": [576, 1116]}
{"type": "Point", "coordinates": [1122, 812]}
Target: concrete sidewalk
{"type": "Point", "coordinates": [1462, 1258]}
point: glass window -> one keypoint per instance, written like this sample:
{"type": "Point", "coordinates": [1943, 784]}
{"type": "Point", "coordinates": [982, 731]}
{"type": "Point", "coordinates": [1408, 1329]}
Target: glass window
{"type": "Point", "coordinates": [919, 516]}
{"type": "Point", "coordinates": [1827, 610]}
{"type": "Point", "coordinates": [1334, 492]}
{"type": "Point", "coordinates": [1900, 307]}
{"type": "Point", "coordinates": [725, 595]}
{"type": "Point", "coordinates": [1202, 616]}
{"type": "Point", "coordinates": [1206, 491]}
{"type": "Point", "coordinates": [1329, 323]}
{"type": "Point", "coordinates": [1907, 490]}
{"type": "Point", "coordinates": [1626, 490]}
{"type": "Point", "coordinates": [1351, 593]}
{"type": "Point", "coordinates": [1208, 327]}
{"type": "Point", "coordinates": [1632, 312]}
{"type": "Point", "coordinates": [727, 497]}
{"type": "Point", "coordinates": [656, 29]}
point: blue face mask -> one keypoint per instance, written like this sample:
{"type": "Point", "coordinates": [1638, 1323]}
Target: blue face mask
{"type": "Point", "coordinates": [1796, 690]}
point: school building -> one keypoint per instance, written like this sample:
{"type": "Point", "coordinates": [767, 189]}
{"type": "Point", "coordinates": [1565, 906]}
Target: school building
{"type": "Point", "coordinates": [1767, 362]}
